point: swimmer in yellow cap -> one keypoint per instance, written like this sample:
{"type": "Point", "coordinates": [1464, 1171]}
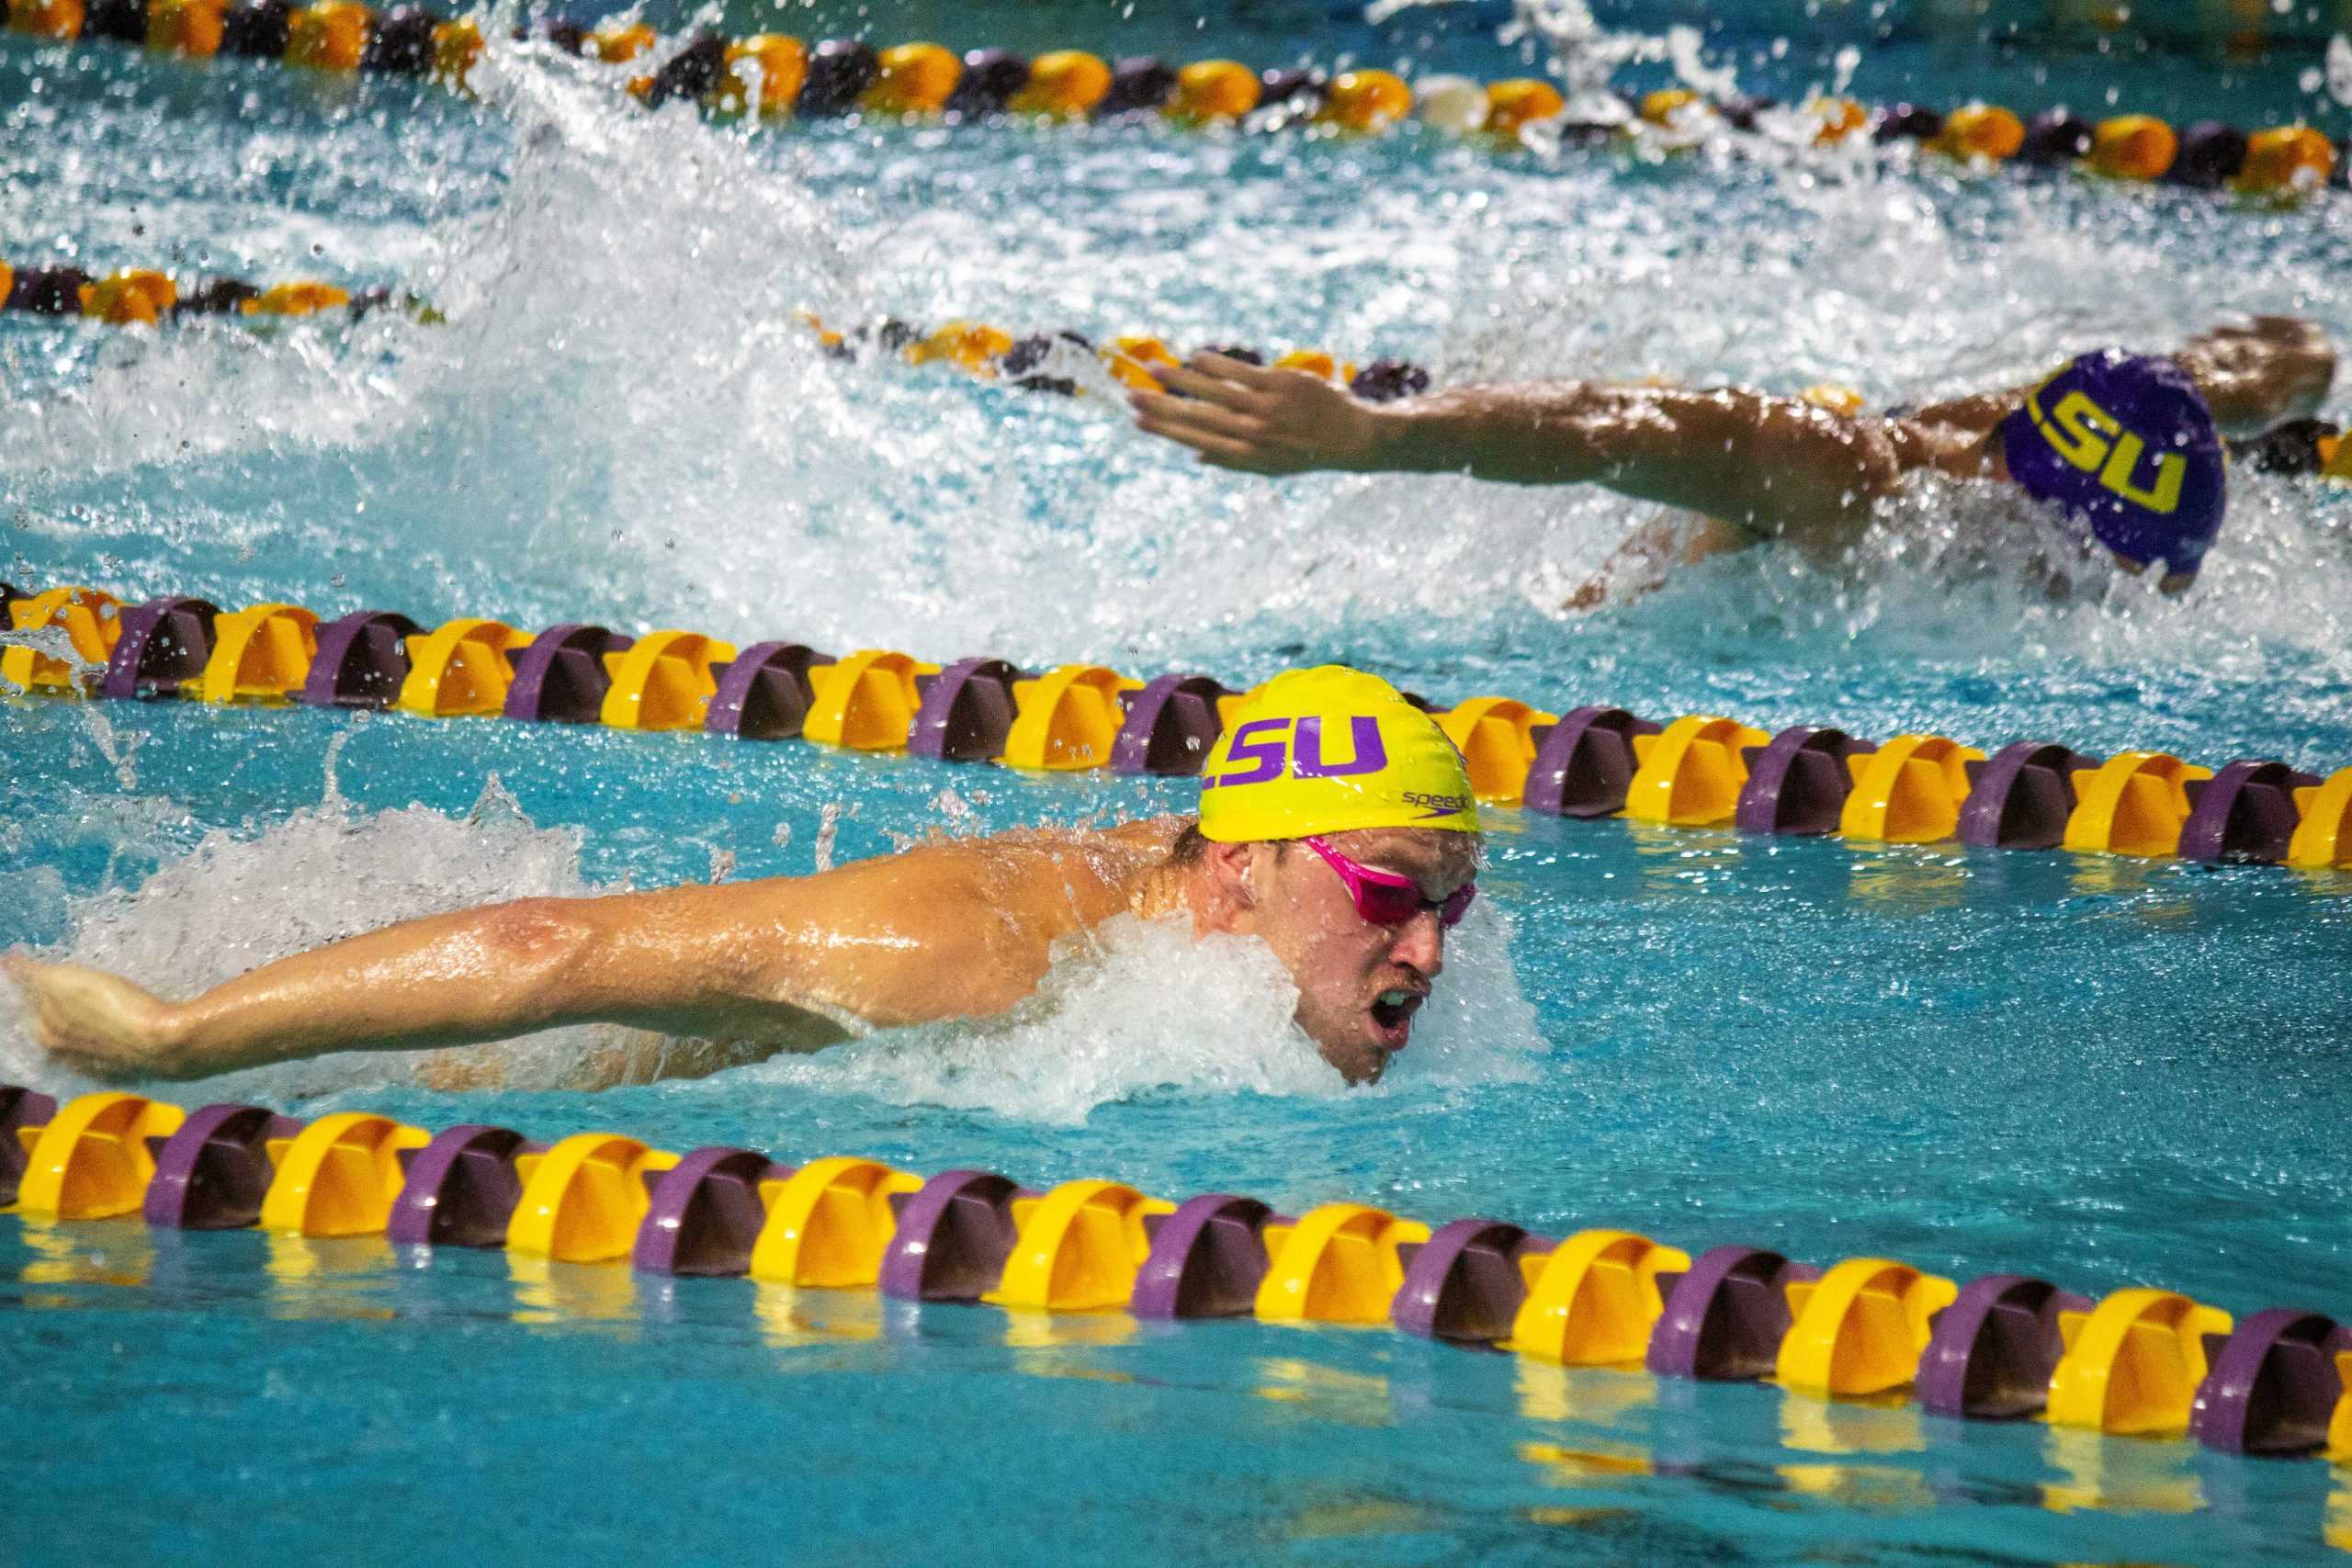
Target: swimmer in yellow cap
{"type": "Point", "coordinates": [1336, 826]}
{"type": "Point", "coordinates": [1738, 467]}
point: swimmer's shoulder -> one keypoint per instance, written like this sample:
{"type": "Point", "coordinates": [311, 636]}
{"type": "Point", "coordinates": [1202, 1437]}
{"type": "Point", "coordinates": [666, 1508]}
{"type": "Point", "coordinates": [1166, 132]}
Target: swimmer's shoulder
{"type": "Point", "coordinates": [1157, 834]}
{"type": "Point", "coordinates": [1150, 836]}
{"type": "Point", "coordinates": [1092, 870]}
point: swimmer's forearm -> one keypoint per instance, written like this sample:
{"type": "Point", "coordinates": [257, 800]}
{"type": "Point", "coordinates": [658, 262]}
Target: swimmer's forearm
{"type": "Point", "coordinates": [2251, 378]}
{"type": "Point", "coordinates": [444, 980]}
{"type": "Point", "coordinates": [1761, 462]}
{"type": "Point", "coordinates": [475, 977]}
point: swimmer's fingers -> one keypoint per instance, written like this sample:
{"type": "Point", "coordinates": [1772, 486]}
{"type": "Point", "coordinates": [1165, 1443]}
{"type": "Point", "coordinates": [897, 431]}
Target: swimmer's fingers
{"type": "Point", "coordinates": [1242, 372]}
{"type": "Point", "coordinates": [1222, 391]}
{"type": "Point", "coordinates": [1165, 415]}
{"type": "Point", "coordinates": [1225, 451]}
{"type": "Point", "coordinates": [1157, 415]}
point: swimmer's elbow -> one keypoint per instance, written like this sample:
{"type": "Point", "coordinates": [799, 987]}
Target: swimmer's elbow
{"type": "Point", "coordinates": [539, 946]}
{"type": "Point", "coordinates": [1806, 485]}
{"type": "Point", "coordinates": [1878, 466]}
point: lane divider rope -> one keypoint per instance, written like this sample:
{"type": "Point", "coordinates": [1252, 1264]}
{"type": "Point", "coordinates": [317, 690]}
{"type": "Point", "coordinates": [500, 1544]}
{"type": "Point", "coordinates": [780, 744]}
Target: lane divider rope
{"type": "Point", "coordinates": [1036, 362]}
{"type": "Point", "coordinates": [779, 76]}
{"type": "Point", "coordinates": [2142, 1361]}
{"type": "Point", "coordinates": [1593, 760]}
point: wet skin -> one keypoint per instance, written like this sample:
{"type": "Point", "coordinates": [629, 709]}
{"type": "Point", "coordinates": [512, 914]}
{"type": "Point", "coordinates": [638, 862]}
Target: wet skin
{"type": "Point", "coordinates": [1751, 465]}
{"type": "Point", "coordinates": [958, 929]}
{"type": "Point", "coordinates": [1359, 984]}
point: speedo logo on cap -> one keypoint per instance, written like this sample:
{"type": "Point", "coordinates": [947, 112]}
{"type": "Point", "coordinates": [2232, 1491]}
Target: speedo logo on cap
{"type": "Point", "coordinates": [2094, 441]}
{"type": "Point", "coordinates": [1437, 805]}
{"type": "Point", "coordinates": [1270, 753]}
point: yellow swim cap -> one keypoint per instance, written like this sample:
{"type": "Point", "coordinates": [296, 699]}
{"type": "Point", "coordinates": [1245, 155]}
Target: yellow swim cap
{"type": "Point", "coordinates": [1326, 751]}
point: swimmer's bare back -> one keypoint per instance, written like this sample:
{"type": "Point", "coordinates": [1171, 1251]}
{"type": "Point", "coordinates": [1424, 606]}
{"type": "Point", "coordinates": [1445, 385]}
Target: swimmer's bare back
{"type": "Point", "coordinates": [950, 928]}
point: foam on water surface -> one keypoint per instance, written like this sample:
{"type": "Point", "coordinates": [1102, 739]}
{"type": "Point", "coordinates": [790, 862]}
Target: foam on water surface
{"type": "Point", "coordinates": [1140, 1009]}
{"type": "Point", "coordinates": [621, 379]}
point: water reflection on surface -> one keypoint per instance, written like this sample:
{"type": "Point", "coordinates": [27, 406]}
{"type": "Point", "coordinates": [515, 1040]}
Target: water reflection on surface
{"type": "Point", "coordinates": [329, 1277]}
{"type": "Point", "coordinates": [2122, 1475]}
{"type": "Point", "coordinates": [548, 1293]}
{"type": "Point", "coordinates": [97, 1252]}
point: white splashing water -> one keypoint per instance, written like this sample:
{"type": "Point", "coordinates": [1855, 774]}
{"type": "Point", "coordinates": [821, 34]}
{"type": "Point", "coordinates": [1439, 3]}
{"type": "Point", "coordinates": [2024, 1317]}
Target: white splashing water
{"type": "Point", "coordinates": [1141, 1009]}
{"type": "Point", "coordinates": [623, 401]}
{"type": "Point", "coordinates": [50, 642]}
{"type": "Point", "coordinates": [323, 874]}
{"type": "Point", "coordinates": [1585, 54]}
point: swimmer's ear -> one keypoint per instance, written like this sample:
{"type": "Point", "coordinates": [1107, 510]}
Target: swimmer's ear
{"type": "Point", "coordinates": [1230, 877]}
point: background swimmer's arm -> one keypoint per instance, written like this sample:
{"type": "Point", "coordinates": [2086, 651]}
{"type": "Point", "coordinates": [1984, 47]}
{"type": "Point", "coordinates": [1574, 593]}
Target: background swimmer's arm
{"type": "Point", "coordinates": [778, 960]}
{"type": "Point", "coordinates": [1772, 464]}
{"type": "Point", "coordinates": [2253, 376]}
{"type": "Point", "coordinates": [1649, 554]}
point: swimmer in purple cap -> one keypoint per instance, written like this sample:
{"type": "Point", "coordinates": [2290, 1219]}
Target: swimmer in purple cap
{"type": "Point", "coordinates": [2127, 446]}
{"type": "Point", "coordinates": [2124, 443]}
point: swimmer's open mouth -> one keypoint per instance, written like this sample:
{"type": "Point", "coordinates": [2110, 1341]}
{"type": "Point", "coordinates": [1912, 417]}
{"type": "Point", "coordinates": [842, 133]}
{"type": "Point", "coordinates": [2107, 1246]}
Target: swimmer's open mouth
{"type": "Point", "coordinates": [1392, 1013]}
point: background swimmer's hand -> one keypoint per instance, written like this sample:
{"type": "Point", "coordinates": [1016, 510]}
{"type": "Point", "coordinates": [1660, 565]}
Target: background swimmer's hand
{"type": "Point", "coordinates": [95, 1022]}
{"type": "Point", "coordinates": [1239, 415]}
{"type": "Point", "coordinates": [2277, 369]}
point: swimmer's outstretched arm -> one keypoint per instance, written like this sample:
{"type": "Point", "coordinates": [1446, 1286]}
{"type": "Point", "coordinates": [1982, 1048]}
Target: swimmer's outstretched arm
{"type": "Point", "coordinates": [782, 961]}
{"type": "Point", "coordinates": [1772, 465]}
{"type": "Point", "coordinates": [2253, 377]}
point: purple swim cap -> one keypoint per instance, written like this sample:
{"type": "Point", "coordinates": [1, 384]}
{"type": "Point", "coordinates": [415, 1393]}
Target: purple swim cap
{"type": "Point", "coordinates": [2125, 443]}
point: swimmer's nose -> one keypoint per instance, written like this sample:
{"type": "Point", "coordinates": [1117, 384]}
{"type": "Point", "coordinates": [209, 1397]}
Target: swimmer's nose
{"type": "Point", "coordinates": [1421, 944]}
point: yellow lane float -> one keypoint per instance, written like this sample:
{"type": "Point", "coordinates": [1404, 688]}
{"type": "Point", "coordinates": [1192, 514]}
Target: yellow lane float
{"type": "Point", "coordinates": [1909, 791]}
{"type": "Point", "coordinates": [912, 79]}
{"type": "Point", "coordinates": [583, 1198]}
{"type": "Point", "coordinates": [1209, 91]}
{"type": "Point", "coordinates": [1690, 775]}
{"type": "Point", "coordinates": [1980, 130]}
{"type": "Point", "coordinates": [781, 64]}
{"type": "Point", "coordinates": [329, 37]}
{"type": "Point", "coordinates": [2323, 839]}
{"type": "Point", "coordinates": [1340, 1263]}
{"type": "Point", "coordinates": [2134, 1362]}
{"type": "Point", "coordinates": [1365, 100]}
{"type": "Point", "coordinates": [123, 298]}
{"type": "Point", "coordinates": [663, 681]}
{"type": "Point", "coordinates": [92, 622]}
{"type": "Point", "coordinates": [1064, 83]}
{"type": "Point", "coordinates": [262, 653]}
{"type": "Point", "coordinates": [828, 1223]}
{"type": "Point", "coordinates": [94, 1158]}
{"type": "Point", "coordinates": [192, 27]}
{"type": "Point", "coordinates": [1077, 1247]}
{"type": "Point", "coordinates": [1860, 1328]}
{"type": "Point", "coordinates": [1497, 738]}
{"type": "Point", "coordinates": [1067, 718]}
{"type": "Point", "coordinates": [339, 1175]}
{"type": "Point", "coordinates": [2135, 804]}
{"type": "Point", "coordinates": [1593, 1300]}
{"type": "Point", "coordinates": [460, 667]}
{"type": "Point", "coordinates": [866, 702]}
{"type": "Point", "coordinates": [1513, 106]}
{"type": "Point", "coordinates": [2134, 146]}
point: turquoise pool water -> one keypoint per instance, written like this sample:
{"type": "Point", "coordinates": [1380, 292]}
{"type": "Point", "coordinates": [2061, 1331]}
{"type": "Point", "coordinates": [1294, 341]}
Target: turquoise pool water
{"type": "Point", "coordinates": [2106, 1071]}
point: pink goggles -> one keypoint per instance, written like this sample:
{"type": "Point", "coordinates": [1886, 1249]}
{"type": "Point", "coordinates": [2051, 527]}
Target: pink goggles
{"type": "Point", "coordinates": [1384, 898]}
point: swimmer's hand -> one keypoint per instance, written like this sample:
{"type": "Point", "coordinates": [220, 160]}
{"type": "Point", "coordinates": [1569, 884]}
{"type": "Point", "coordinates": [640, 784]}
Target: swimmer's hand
{"type": "Point", "coordinates": [2277, 369]}
{"type": "Point", "coordinates": [1239, 415]}
{"type": "Point", "coordinates": [96, 1023]}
